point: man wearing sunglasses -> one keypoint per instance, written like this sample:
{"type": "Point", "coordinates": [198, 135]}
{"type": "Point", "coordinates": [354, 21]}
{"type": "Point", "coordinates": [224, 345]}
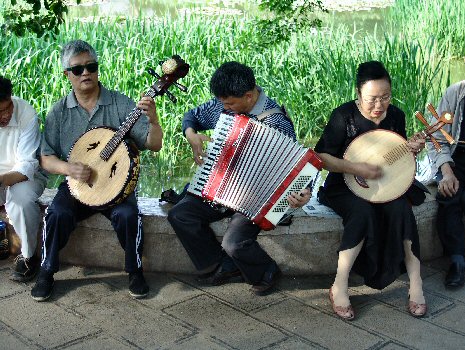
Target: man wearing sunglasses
{"type": "Point", "coordinates": [90, 105]}
{"type": "Point", "coordinates": [21, 183]}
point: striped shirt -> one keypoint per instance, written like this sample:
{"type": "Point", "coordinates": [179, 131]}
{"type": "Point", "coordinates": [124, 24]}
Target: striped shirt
{"type": "Point", "coordinates": [205, 116]}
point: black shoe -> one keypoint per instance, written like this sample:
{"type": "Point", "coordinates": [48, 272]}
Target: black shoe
{"type": "Point", "coordinates": [138, 288]}
{"type": "Point", "coordinates": [218, 276]}
{"type": "Point", "coordinates": [44, 286]}
{"type": "Point", "coordinates": [269, 280]}
{"type": "Point", "coordinates": [456, 275]}
{"type": "Point", "coordinates": [24, 269]}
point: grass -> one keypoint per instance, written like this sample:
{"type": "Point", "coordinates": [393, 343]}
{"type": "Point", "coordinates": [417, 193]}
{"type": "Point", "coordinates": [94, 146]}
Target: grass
{"type": "Point", "coordinates": [310, 75]}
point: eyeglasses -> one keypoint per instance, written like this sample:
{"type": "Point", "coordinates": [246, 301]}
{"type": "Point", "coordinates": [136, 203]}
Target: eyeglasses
{"type": "Point", "coordinates": [78, 70]}
{"type": "Point", "coordinates": [372, 100]}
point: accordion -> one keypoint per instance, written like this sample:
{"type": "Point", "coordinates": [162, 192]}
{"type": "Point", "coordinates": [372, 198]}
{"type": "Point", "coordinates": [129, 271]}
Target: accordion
{"type": "Point", "coordinates": [251, 168]}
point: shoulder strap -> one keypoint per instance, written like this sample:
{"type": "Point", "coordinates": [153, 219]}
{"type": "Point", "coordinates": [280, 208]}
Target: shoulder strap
{"type": "Point", "coordinates": [271, 111]}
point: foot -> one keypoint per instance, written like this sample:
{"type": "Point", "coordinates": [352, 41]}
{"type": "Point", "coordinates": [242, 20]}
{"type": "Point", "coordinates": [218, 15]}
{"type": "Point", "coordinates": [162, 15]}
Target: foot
{"type": "Point", "coordinates": [220, 276]}
{"type": "Point", "coordinates": [344, 312]}
{"type": "Point", "coordinates": [456, 275]}
{"type": "Point", "coordinates": [24, 269]}
{"type": "Point", "coordinates": [417, 310]}
{"type": "Point", "coordinates": [138, 288]}
{"type": "Point", "coordinates": [268, 281]}
{"type": "Point", "coordinates": [43, 287]}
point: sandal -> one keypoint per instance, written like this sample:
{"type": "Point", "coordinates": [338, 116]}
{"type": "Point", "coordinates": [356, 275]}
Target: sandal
{"type": "Point", "coordinates": [417, 310]}
{"type": "Point", "coordinates": [344, 312]}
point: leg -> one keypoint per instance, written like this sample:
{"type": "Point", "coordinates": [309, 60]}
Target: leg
{"type": "Point", "coordinates": [240, 243]}
{"type": "Point", "coordinates": [24, 213]}
{"type": "Point", "coordinates": [126, 221]}
{"type": "Point", "coordinates": [451, 232]}
{"type": "Point", "coordinates": [60, 220]}
{"type": "Point", "coordinates": [191, 219]}
{"type": "Point", "coordinates": [417, 304]}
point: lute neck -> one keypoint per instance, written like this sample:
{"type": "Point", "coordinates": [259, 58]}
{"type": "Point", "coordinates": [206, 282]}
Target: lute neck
{"type": "Point", "coordinates": [119, 135]}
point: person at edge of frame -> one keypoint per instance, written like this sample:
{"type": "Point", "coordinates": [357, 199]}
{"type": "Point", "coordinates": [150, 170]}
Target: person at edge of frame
{"type": "Point", "coordinates": [380, 240]}
{"type": "Point", "coordinates": [89, 105]}
{"type": "Point", "coordinates": [21, 181]}
{"type": "Point", "coordinates": [448, 170]}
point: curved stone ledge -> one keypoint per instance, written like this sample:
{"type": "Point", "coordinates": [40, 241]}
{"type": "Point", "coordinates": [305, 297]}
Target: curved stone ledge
{"type": "Point", "coordinates": [308, 246]}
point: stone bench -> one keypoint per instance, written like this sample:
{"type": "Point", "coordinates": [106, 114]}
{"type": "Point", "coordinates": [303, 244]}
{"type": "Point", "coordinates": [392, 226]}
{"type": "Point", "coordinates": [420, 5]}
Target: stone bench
{"type": "Point", "coordinates": [307, 246]}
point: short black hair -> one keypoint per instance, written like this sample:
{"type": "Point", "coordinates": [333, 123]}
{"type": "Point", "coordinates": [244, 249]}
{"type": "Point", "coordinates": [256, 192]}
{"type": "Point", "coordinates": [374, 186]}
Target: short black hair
{"type": "Point", "coordinates": [372, 70]}
{"type": "Point", "coordinates": [232, 79]}
{"type": "Point", "coordinates": [6, 88]}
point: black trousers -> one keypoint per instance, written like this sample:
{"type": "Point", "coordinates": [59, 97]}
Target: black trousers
{"type": "Point", "coordinates": [66, 211]}
{"type": "Point", "coordinates": [450, 226]}
{"type": "Point", "coordinates": [191, 219]}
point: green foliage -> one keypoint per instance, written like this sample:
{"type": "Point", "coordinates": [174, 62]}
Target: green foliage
{"type": "Point", "coordinates": [286, 17]}
{"type": "Point", "coordinates": [35, 16]}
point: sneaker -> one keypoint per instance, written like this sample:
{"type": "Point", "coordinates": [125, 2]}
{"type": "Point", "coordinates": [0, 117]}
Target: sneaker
{"type": "Point", "coordinates": [268, 281]}
{"type": "Point", "coordinates": [44, 286]}
{"type": "Point", "coordinates": [138, 288]}
{"type": "Point", "coordinates": [24, 269]}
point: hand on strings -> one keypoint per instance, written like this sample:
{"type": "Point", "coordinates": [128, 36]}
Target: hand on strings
{"type": "Point", "coordinates": [416, 145]}
{"type": "Point", "coordinates": [79, 171]}
{"type": "Point", "coordinates": [147, 105]}
{"type": "Point", "coordinates": [298, 200]}
{"type": "Point", "coordinates": [196, 141]}
{"type": "Point", "coordinates": [368, 171]}
{"type": "Point", "coordinates": [449, 185]}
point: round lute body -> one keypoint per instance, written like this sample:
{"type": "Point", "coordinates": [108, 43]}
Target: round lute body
{"type": "Point", "coordinates": [111, 180]}
{"type": "Point", "coordinates": [389, 151]}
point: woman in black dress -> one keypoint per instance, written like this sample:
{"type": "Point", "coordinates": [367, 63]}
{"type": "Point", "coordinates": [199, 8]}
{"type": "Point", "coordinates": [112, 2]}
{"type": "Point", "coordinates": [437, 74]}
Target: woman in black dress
{"type": "Point", "coordinates": [380, 241]}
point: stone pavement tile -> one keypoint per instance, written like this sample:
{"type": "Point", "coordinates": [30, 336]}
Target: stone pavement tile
{"type": "Point", "coordinates": [405, 329]}
{"type": "Point", "coordinates": [222, 322]}
{"type": "Point", "coordinates": [198, 342]}
{"type": "Point", "coordinates": [46, 324]}
{"type": "Point", "coordinates": [393, 346]}
{"type": "Point", "coordinates": [317, 327]}
{"type": "Point", "coordinates": [101, 342]}
{"type": "Point", "coordinates": [9, 341]}
{"type": "Point", "coordinates": [396, 295]}
{"type": "Point", "coordinates": [294, 343]}
{"type": "Point", "coordinates": [9, 288]}
{"type": "Point", "coordinates": [435, 284]}
{"type": "Point", "coordinates": [237, 294]}
{"type": "Point", "coordinates": [126, 318]}
{"type": "Point", "coordinates": [165, 289]}
{"type": "Point", "coordinates": [314, 290]}
{"type": "Point", "coordinates": [453, 319]}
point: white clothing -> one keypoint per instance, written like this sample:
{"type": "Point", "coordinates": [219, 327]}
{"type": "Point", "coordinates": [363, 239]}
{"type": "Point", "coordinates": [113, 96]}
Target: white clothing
{"type": "Point", "coordinates": [19, 142]}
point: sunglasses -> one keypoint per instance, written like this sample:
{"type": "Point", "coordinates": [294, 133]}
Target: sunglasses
{"type": "Point", "coordinates": [78, 70]}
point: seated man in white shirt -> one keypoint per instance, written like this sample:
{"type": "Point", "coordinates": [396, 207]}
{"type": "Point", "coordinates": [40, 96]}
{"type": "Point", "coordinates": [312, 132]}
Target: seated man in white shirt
{"type": "Point", "coordinates": [21, 183]}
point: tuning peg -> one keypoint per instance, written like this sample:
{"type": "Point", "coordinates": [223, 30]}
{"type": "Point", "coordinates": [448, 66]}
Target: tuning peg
{"type": "Point", "coordinates": [152, 72]}
{"type": "Point", "coordinates": [171, 96]}
{"type": "Point", "coordinates": [447, 119]}
{"type": "Point", "coordinates": [422, 119]}
{"type": "Point", "coordinates": [180, 87]}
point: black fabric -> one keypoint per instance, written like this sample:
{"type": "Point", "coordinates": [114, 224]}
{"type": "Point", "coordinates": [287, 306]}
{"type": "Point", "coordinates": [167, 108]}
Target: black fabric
{"type": "Point", "coordinates": [345, 124]}
{"type": "Point", "coordinates": [451, 229]}
{"type": "Point", "coordinates": [416, 194]}
{"type": "Point", "coordinates": [191, 219]}
{"type": "Point", "coordinates": [66, 211]}
{"type": "Point", "coordinates": [385, 226]}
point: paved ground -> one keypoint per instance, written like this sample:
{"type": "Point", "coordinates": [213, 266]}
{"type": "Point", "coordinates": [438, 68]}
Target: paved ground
{"type": "Point", "coordinates": [91, 309]}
